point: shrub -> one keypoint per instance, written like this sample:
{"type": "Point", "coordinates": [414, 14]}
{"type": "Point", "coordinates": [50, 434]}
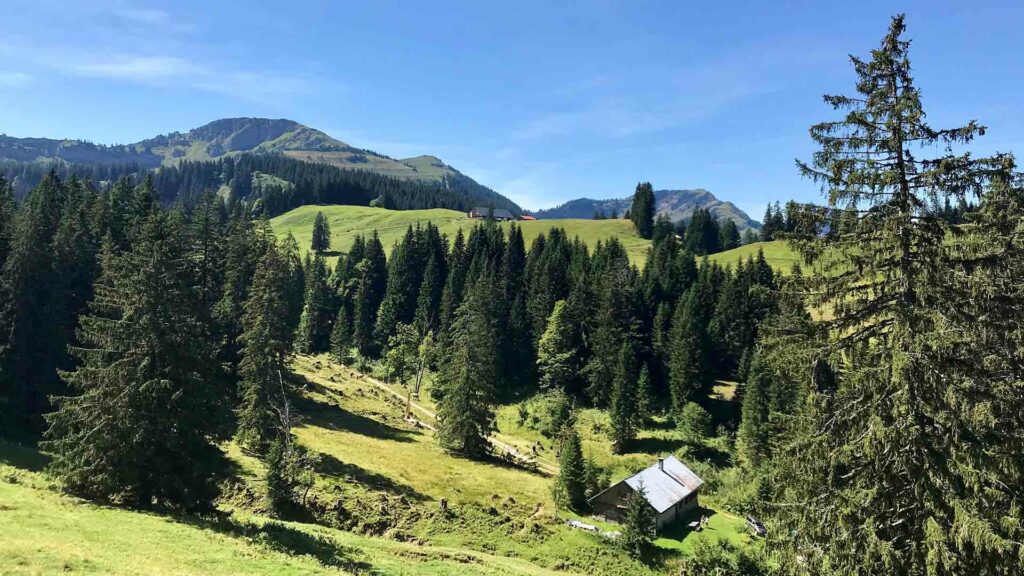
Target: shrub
{"type": "Point", "coordinates": [694, 423]}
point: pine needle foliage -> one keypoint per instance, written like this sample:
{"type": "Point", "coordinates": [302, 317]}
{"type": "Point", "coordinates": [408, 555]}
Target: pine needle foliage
{"type": "Point", "coordinates": [149, 409]}
{"type": "Point", "coordinates": [911, 465]}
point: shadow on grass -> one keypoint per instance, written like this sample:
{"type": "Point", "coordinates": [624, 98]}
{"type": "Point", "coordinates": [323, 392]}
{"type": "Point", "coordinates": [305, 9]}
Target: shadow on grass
{"type": "Point", "coordinates": [679, 529]}
{"type": "Point", "coordinates": [334, 417]}
{"type": "Point", "coordinates": [22, 456]}
{"type": "Point", "coordinates": [723, 412]}
{"type": "Point", "coordinates": [659, 446]}
{"type": "Point", "coordinates": [332, 467]}
{"type": "Point", "coordinates": [283, 538]}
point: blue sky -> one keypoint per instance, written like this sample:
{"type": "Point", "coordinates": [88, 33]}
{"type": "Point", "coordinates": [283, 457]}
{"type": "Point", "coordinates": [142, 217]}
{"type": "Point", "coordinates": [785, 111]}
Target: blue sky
{"type": "Point", "coordinates": [544, 101]}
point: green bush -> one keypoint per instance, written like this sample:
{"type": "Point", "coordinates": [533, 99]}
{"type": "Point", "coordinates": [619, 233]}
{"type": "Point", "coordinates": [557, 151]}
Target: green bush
{"type": "Point", "coordinates": [694, 423]}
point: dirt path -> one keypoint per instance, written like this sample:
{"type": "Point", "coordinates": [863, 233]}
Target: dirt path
{"type": "Point", "coordinates": [417, 407]}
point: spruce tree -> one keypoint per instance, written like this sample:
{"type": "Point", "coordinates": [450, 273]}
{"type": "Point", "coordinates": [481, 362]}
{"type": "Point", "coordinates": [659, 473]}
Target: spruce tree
{"type": "Point", "coordinates": [646, 399]}
{"type": "Point", "coordinates": [615, 321]}
{"type": "Point", "coordinates": [642, 210]}
{"type": "Point", "coordinates": [624, 411]}
{"type": "Point", "coordinates": [911, 465]}
{"type": "Point", "coordinates": [768, 225]}
{"type": "Point", "coordinates": [341, 335]}
{"type": "Point", "coordinates": [266, 344]}
{"type": "Point", "coordinates": [451, 295]}
{"type": "Point", "coordinates": [428, 302]}
{"type": "Point", "coordinates": [753, 437]}
{"type": "Point", "coordinates": [372, 283]}
{"type": "Point", "coordinates": [207, 247]}
{"type": "Point", "coordinates": [7, 209]}
{"type": "Point", "coordinates": [242, 253]}
{"type": "Point", "coordinates": [465, 416]}
{"type": "Point", "coordinates": [557, 356]}
{"type": "Point", "coordinates": [571, 486]}
{"type": "Point", "coordinates": [314, 331]}
{"type": "Point", "coordinates": [295, 292]}
{"type": "Point", "coordinates": [688, 369]}
{"type": "Point", "coordinates": [638, 524]}
{"type": "Point", "coordinates": [399, 303]}
{"type": "Point", "coordinates": [143, 425]}
{"type": "Point", "coordinates": [321, 241]}
{"type": "Point", "coordinates": [728, 235]}
{"type": "Point", "coordinates": [518, 354]}
{"type": "Point", "coordinates": [30, 338]}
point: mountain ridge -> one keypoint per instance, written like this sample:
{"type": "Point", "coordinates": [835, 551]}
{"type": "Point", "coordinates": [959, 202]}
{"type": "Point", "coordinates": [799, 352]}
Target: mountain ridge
{"type": "Point", "coordinates": [232, 137]}
{"type": "Point", "coordinates": [678, 205]}
{"type": "Point", "coordinates": [227, 137]}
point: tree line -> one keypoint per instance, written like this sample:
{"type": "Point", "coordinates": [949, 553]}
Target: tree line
{"type": "Point", "coordinates": [294, 183]}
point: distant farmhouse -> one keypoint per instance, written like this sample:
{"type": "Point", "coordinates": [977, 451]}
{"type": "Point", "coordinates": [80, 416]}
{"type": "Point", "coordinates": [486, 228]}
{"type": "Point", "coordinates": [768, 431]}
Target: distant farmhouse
{"type": "Point", "coordinates": [496, 214]}
{"type": "Point", "coordinates": [670, 489]}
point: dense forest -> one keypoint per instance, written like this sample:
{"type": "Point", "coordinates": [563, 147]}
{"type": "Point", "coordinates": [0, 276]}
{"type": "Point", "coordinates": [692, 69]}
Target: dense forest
{"type": "Point", "coordinates": [145, 321]}
{"type": "Point", "coordinates": [268, 183]}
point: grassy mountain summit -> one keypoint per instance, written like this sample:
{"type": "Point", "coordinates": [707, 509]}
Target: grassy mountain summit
{"type": "Point", "coordinates": [228, 137]}
{"type": "Point", "coordinates": [676, 204]}
{"type": "Point", "coordinates": [25, 160]}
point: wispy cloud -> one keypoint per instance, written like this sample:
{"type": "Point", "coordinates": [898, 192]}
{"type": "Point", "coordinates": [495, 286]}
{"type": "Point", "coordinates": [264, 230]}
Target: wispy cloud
{"type": "Point", "coordinates": [667, 97]}
{"type": "Point", "coordinates": [139, 68]}
{"type": "Point", "coordinates": [14, 79]}
{"type": "Point", "coordinates": [143, 15]}
{"type": "Point", "coordinates": [161, 70]}
{"type": "Point", "coordinates": [117, 42]}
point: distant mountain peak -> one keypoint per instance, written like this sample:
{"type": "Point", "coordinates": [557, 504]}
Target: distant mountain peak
{"type": "Point", "coordinates": [676, 204]}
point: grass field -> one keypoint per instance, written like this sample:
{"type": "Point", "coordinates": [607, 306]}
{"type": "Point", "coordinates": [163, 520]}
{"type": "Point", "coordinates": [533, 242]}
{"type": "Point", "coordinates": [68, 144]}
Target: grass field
{"type": "Point", "coordinates": [778, 254]}
{"type": "Point", "coordinates": [44, 532]}
{"type": "Point", "coordinates": [349, 221]}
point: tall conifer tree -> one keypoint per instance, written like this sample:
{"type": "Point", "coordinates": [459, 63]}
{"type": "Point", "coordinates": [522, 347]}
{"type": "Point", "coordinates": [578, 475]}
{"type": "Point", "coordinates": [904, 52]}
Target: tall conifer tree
{"type": "Point", "coordinates": [143, 426]}
{"type": "Point", "coordinates": [624, 412]}
{"type": "Point", "coordinates": [372, 283]}
{"type": "Point", "coordinates": [266, 344]}
{"type": "Point", "coordinates": [466, 381]}
{"type": "Point", "coordinates": [314, 332]}
{"type": "Point", "coordinates": [321, 241]}
{"type": "Point", "coordinates": [30, 335]}
{"type": "Point", "coordinates": [571, 487]}
{"type": "Point", "coordinates": [911, 465]}
{"type": "Point", "coordinates": [642, 210]}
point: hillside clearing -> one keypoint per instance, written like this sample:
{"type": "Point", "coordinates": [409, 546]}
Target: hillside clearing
{"type": "Point", "coordinates": [43, 532]}
{"type": "Point", "coordinates": [349, 221]}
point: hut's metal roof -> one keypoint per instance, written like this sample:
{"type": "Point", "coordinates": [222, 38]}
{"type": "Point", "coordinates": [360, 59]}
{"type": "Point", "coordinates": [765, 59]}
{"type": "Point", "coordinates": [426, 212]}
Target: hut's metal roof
{"type": "Point", "coordinates": [667, 484]}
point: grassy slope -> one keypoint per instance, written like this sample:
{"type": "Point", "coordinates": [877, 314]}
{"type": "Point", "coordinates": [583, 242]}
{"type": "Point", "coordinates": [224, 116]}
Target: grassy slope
{"type": "Point", "coordinates": [386, 474]}
{"type": "Point", "coordinates": [657, 439]}
{"type": "Point", "coordinates": [778, 254]}
{"type": "Point", "coordinates": [348, 221]}
{"type": "Point", "coordinates": [43, 532]}
{"type": "Point", "coordinates": [374, 460]}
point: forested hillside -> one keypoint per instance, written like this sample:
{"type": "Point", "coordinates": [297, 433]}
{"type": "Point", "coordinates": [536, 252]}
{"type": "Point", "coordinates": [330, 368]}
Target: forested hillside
{"type": "Point", "coordinates": [268, 182]}
{"type": "Point", "coordinates": [224, 154]}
